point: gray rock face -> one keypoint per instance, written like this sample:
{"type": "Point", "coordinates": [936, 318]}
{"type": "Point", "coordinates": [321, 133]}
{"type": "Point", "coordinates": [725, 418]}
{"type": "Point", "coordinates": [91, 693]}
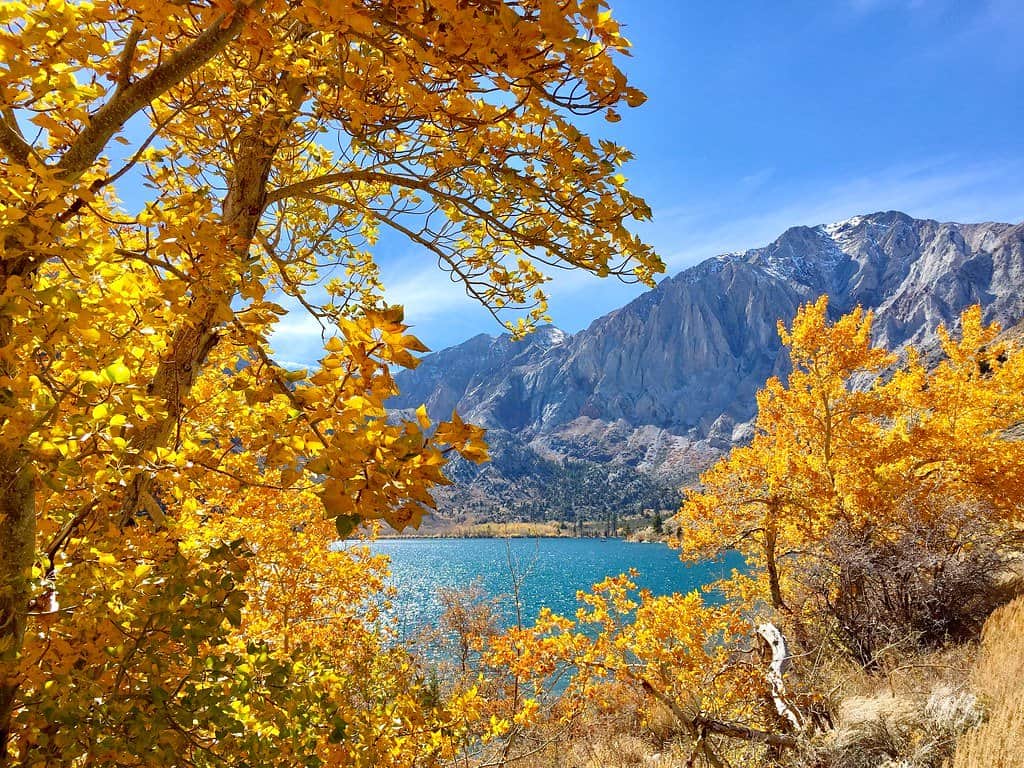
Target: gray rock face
{"type": "Point", "coordinates": [667, 382]}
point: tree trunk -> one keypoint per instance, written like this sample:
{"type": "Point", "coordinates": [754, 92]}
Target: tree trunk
{"type": "Point", "coordinates": [195, 339]}
{"type": "Point", "coordinates": [17, 552]}
{"type": "Point", "coordinates": [173, 381]}
{"type": "Point", "coordinates": [771, 562]}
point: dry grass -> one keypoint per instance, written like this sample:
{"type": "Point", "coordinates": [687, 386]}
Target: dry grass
{"type": "Point", "coordinates": [908, 714]}
{"type": "Point", "coordinates": [635, 734]}
{"type": "Point", "coordinates": [999, 680]}
{"type": "Point", "coordinates": [911, 731]}
{"type": "Point", "coordinates": [612, 750]}
{"type": "Point", "coordinates": [615, 751]}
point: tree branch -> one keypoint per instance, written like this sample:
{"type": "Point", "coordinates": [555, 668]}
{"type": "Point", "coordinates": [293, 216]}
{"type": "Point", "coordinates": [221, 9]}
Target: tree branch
{"type": "Point", "coordinates": [155, 263]}
{"type": "Point", "coordinates": [127, 101]}
{"type": "Point", "coordinates": [124, 69]}
{"type": "Point", "coordinates": [522, 240]}
{"type": "Point", "coordinates": [700, 721]}
{"type": "Point", "coordinates": [13, 145]}
{"type": "Point", "coordinates": [65, 533]}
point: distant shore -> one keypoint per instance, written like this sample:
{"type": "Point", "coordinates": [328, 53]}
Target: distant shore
{"type": "Point", "coordinates": [548, 530]}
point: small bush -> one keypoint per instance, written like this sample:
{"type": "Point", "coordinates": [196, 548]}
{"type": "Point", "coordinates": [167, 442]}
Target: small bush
{"type": "Point", "coordinates": [933, 580]}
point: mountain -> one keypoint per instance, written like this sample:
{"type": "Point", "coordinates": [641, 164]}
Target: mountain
{"type": "Point", "coordinates": [618, 415]}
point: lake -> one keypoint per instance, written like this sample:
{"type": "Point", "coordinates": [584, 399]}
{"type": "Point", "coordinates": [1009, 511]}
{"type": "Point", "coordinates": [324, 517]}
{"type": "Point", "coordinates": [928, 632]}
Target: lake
{"type": "Point", "coordinates": [554, 569]}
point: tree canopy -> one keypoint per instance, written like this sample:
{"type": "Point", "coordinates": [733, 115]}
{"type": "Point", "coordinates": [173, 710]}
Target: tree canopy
{"type": "Point", "coordinates": [171, 171]}
{"type": "Point", "coordinates": [859, 438]}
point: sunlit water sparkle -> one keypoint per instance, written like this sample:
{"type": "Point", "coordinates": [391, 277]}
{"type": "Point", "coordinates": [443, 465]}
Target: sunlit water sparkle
{"type": "Point", "coordinates": [552, 571]}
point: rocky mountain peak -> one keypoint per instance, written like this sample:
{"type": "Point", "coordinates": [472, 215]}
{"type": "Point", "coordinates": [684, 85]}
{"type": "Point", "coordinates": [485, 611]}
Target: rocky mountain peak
{"type": "Point", "coordinates": [668, 380]}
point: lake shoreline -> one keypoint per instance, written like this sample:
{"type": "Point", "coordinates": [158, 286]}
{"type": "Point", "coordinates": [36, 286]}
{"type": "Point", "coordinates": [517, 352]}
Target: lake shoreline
{"type": "Point", "coordinates": [454, 537]}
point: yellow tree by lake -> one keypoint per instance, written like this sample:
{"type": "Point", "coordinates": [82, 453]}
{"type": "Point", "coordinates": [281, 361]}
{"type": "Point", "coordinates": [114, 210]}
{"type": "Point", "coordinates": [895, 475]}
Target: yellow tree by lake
{"type": "Point", "coordinates": [141, 407]}
{"type": "Point", "coordinates": [856, 439]}
{"type": "Point", "coordinates": [813, 441]}
{"type": "Point", "coordinates": [842, 442]}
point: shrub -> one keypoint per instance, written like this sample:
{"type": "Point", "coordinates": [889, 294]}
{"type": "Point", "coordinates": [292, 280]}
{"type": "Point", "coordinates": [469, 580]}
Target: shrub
{"type": "Point", "coordinates": [932, 580]}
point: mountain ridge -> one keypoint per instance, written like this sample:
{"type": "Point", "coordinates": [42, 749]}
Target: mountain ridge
{"type": "Point", "coordinates": [662, 385]}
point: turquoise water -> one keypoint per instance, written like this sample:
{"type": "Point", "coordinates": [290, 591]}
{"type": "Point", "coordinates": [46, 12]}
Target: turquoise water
{"type": "Point", "coordinates": [552, 572]}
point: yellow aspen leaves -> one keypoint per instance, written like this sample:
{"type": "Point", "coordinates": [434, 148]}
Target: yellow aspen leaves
{"type": "Point", "coordinates": [841, 440]}
{"type": "Point", "coordinates": [174, 176]}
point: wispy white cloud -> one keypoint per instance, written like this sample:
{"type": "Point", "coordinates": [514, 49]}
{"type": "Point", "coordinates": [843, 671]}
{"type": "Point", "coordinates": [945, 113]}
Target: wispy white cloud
{"type": "Point", "coordinates": [292, 364]}
{"type": "Point", "coordinates": [751, 217]}
{"type": "Point", "coordinates": [989, 29]}
{"type": "Point", "coordinates": [870, 6]}
{"type": "Point", "coordinates": [758, 179]}
{"type": "Point", "coordinates": [424, 290]}
{"type": "Point", "coordinates": [756, 210]}
{"type": "Point", "coordinates": [435, 307]}
{"type": "Point", "coordinates": [994, 31]}
{"type": "Point", "coordinates": [298, 324]}
{"type": "Point", "coordinates": [298, 339]}
{"type": "Point", "coordinates": [937, 189]}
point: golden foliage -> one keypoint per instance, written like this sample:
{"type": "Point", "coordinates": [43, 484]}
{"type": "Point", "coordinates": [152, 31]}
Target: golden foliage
{"type": "Point", "coordinates": [548, 679]}
{"type": "Point", "coordinates": [841, 443]}
{"type": "Point", "coordinates": [175, 177]}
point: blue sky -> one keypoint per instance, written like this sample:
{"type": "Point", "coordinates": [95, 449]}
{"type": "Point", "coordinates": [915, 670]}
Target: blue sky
{"type": "Point", "coordinates": [765, 115]}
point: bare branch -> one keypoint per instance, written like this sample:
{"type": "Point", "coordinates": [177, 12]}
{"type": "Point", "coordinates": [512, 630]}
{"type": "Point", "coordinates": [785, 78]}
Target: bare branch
{"type": "Point", "coordinates": [156, 263]}
{"type": "Point", "coordinates": [700, 721]}
{"type": "Point", "coordinates": [65, 533]}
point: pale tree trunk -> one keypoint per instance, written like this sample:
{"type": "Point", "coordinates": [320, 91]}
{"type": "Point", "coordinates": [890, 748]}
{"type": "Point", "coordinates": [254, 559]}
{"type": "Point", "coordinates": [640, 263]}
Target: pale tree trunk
{"type": "Point", "coordinates": [779, 662]}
